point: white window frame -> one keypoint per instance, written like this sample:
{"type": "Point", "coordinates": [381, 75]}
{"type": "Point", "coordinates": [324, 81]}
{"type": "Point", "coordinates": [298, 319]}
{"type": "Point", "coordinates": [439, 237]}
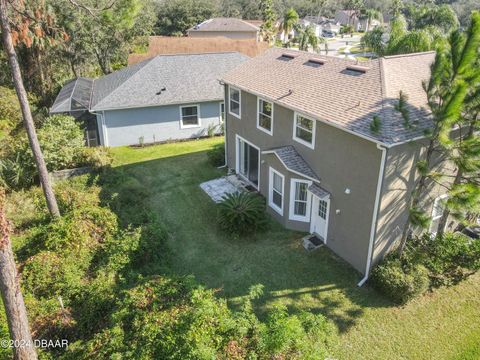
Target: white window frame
{"type": "Point", "coordinates": [436, 204]}
{"type": "Point", "coordinates": [182, 126]}
{"type": "Point", "coordinates": [269, 132]}
{"type": "Point", "coordinates": [274, 206]}
{"type": "Point", "coordinates": [292, 215]}
{"type": "Point", "coordinates": [220, 112]}
{"type": "Point", "coordinates": [239, 116]}
{"type": "Point", "coordinates": [314, 128]}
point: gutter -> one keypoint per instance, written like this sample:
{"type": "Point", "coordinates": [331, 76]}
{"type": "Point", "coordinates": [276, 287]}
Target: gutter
{"type": "Point", "coordinates": [373, 227]}
{"type": "Point", "coordinates": [224, 124]}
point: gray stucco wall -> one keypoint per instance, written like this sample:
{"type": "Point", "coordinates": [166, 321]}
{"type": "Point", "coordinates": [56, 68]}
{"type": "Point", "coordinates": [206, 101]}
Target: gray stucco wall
{"type": "Point", "coordinates": [399, 181]}
{"type": "Point", "coordinates": [340, 159]}
{"type": "Point", "coordinates": [126, 126]}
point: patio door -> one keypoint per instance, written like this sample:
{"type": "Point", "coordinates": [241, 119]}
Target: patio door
{"type": "Point", "coordinates": [248, 161]}
{"type": "Point", "coordinates": [319, 220]}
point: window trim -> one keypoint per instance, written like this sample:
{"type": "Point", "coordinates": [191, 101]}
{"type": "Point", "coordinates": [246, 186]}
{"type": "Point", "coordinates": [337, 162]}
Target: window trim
{"type": "Point", "coordinates": [314, 128]}
{"type": "Point", "coordinates": [238, 138]}
{"type": "Point", "coordinates": [274, 206]}
{"type": "Point", "coordinates": [220, 112]}
{"type": "Point", "coordinates": [258, 116]}
{"type": "Point", "coordinates": [182, 126]}
{"type": "Point", "coordinates": [292, 215]}
{"type": "Point", "coordinates": [239, 116]}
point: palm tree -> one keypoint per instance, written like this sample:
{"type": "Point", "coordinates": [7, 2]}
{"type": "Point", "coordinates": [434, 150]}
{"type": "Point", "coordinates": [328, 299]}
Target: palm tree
{"type": "Point", "coordinates": [372, 14]}
{"type": "Point", "coordinates": [307, 38]}
{"type": "Point", "coordinates": [290, 19]}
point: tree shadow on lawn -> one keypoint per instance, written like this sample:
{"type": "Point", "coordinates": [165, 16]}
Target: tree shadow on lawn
{"type": "Point", "coordinates": [316, 281]}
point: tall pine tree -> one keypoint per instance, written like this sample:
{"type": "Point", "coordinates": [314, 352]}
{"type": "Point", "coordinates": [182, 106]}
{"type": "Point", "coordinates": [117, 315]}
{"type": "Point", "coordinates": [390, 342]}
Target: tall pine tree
{"type": "Point", "coordinates": [447, 90]}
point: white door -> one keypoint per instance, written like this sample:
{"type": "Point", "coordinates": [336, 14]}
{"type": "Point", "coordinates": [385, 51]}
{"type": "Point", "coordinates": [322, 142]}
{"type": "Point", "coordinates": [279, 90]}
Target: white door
{"type": "Point", "coordinates": [319, 221]}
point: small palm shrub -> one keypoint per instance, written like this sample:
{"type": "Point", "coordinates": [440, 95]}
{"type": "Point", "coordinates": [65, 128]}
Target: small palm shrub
{"type": "Point", "coordinates": [216, 155]}
{"type": "Point", "coordinates": [242, 213]}
{"type": "Point", "coordinates": [399, 281]}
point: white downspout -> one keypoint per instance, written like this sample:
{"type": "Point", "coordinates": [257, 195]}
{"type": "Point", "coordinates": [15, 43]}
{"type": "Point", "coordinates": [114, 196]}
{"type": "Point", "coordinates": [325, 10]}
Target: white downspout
{"type": "Point", "coordinates": [373, 227]}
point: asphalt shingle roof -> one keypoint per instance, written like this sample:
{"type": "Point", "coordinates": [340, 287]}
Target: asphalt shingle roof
{"type": "Point", "coordinates": [185, 78]}
{"type": "Point", "coordinates": [225, 24]}
{"type": "Point", "coordinates": [293, 161]}
{"type": "Point", "coordinates": [318, 191]}
{"type": "Point", "coordinates": [343, 97]}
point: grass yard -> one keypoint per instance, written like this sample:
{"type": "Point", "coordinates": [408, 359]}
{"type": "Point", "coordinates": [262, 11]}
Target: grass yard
{"type": "Point", "coordinates": [442, 325]}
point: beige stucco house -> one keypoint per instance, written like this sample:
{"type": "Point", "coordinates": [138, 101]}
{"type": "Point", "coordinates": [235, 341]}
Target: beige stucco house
{"type": "Point", "coordinates": [299, 129]}
{"type": "Point", "coordinates": [231, 28]}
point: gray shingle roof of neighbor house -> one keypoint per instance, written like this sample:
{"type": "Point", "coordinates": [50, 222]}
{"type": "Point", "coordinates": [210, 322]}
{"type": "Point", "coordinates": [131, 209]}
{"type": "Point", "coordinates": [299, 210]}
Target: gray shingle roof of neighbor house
{"type": "Point", "coordinates": [186, 78]}
{"type": "Point", "coordinates": [293, 161]}
{"type": "Point", "coordinates": [225, 24]}
{"type": "Point", "coordinates": [74, 96]}
{"type": "Point", "coordinates": [342, 92]}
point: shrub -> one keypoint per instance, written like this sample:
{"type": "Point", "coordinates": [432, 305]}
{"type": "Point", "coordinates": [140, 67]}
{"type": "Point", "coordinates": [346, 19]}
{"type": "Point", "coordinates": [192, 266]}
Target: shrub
{"type": "Point", "coordinates": [398, 281]}
{"type": "Point", "coordinates": [97, 157]}
{"type": "Point", "coordinates": [242, 213]}
{"type": "Point", "coordinates": [62, 142]}
{"type": "Point", "coordinates": [171, 318]}
{"type": "Point", "coordinates": [216, 155]}
{"type": "Point", "coordinates": [449, 258]}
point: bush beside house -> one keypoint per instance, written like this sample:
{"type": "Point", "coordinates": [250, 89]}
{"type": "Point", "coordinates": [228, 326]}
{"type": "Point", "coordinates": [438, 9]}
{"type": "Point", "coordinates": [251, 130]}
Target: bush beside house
{"type": "Point", "coordinates": [428, 263]}
{"type": "Point", "coordinates": [62, 141]}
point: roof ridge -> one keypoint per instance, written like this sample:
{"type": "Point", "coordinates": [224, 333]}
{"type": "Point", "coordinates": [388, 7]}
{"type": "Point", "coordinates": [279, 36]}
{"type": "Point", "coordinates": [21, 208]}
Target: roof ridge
{"type": "Point", "coordinates": [408, 55]}
{"type": "Point", "coordinates": [200, 53]}
{"type": "Point", "coordinates": [140, 69]}
{"type": "Point", "coordinates": [383, 88]}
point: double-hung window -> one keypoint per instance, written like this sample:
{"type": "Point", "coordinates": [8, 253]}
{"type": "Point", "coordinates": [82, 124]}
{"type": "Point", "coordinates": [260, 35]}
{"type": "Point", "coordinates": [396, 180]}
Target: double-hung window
{"type": "Point", "coordinates": [265, 116]}
{"type": "Point", "coordinates": [276, 188]}
{"type": "Point", "coordinates": [234, 107]}
{"type": "Point", "coordinates": [299, 200]}
{"type": "Point", "coordinates": [190, 116]}
{"type": "Point", "coordinates": [304, 130]}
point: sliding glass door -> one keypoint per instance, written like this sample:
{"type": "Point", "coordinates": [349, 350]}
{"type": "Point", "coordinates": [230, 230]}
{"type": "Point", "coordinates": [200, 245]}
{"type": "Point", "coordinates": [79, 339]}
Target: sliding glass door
{"type": "Point", "coordinates": [248, 161]}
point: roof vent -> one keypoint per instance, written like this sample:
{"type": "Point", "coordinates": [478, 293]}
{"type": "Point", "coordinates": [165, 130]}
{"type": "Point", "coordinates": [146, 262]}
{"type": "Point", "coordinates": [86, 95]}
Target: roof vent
{"type": "Point", "coordinates": [161, 90]}
{"type": "Point", "coordinates": [286, 57]}
{"type": "Point", "coordinates": [314, 63]}
{"type": "Point", "coordinates": [355, 70]}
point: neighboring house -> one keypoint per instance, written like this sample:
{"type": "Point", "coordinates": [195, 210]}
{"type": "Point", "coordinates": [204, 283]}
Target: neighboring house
{"type": "Point", "coordinates": [227, 27]}
{"type": "Point", "coordinates": [168, 45]}
{"type": "Point", "coordinates": [168, 97]}
{"type": "Point", "coordinates": [349, 17]}
{"type": "Point", "coordinates": [305, 23]}
{"type": "Point", "coordinates": [323, 26]}
{"type": "Point", "coordinates": [298, 129]}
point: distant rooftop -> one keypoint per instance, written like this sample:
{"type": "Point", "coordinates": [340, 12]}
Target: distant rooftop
{"type": "Point", "coordinates": [161, 80]}
{"type": "Point", "coordinates": [343, 92]}
{"type": "Point", "coordinates": [225, 24]}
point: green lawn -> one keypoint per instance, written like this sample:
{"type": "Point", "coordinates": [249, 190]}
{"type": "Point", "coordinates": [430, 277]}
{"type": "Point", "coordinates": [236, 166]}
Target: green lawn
{"type": "Point", "coordinates": [442, 325]}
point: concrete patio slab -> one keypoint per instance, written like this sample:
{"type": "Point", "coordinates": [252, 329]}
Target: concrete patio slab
{"type": "Point", "coordinates": [218, 188]}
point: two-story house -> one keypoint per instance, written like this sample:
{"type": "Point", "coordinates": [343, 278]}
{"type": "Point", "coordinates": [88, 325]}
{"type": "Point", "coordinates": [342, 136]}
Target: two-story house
{"type": "Point", "coordinates": [321, 139]}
